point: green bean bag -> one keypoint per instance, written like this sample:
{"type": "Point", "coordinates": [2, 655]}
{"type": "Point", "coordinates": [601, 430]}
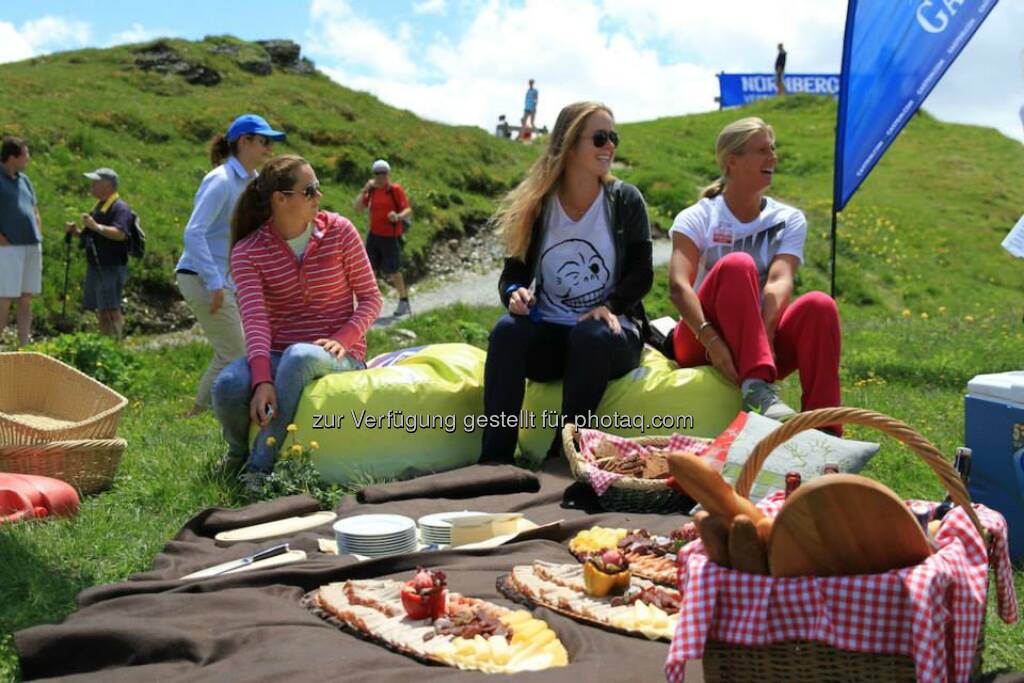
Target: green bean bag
{"type": "Point", "coordinates": [657, 398]}
{"type": "Point", "coordinates": [403, 416]}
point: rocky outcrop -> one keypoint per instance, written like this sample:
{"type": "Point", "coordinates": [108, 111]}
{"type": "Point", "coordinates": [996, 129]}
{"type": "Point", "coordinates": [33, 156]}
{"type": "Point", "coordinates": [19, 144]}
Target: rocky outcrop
{"type": "Point", "coordinates": [162, 58]}
{"type": "Point", "coordinates": [285, 55]}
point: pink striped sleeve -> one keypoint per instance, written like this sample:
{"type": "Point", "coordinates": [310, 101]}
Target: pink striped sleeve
{"type": "Point", "coordinates": [255, 323]}
{"type": "Point", "coordinates": [364, 285]}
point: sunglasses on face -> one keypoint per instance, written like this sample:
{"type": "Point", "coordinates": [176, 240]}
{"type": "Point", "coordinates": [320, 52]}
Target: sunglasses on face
{"type": "Point", "coordinates": [602, 137]}
{"type": "Point", "coordinates": [310, 191]}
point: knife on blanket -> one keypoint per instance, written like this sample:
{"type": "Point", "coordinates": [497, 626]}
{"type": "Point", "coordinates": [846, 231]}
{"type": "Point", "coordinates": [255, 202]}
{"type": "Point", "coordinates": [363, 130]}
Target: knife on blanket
{"type": "Point", "coordinates": [264, 554]}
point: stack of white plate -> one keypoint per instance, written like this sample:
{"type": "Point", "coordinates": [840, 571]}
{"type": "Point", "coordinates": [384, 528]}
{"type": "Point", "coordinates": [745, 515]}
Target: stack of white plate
{"type": "Point", "coordinates": [435, 529]}
{"type": "Point", "coordinates": [376, 535]}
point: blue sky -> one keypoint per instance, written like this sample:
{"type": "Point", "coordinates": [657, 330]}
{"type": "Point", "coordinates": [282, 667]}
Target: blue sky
{"type": "Point", "coordinates": [466, 61]}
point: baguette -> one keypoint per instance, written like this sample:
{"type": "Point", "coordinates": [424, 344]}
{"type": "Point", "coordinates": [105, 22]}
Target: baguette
{"type": "Point", "coordinates": [745, 550]}
{"type": "Point", "coordinates": [708, 488]}
{"type": "Point", "coordinates": [714, 532]}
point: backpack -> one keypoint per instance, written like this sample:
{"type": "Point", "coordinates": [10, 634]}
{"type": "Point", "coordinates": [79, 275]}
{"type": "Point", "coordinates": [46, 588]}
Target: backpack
{"type": "Point", "coordinates": [406, 222]}
{"type": "Point", "coordinates": [136, 238]}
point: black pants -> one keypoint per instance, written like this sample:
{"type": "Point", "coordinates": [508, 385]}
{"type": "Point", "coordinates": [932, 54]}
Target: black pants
{"type": "Point", "coordinates": [586, 356]}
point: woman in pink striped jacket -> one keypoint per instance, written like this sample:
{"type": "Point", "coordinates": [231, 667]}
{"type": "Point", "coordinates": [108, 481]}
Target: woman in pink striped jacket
{"type": "Point", "coordinates": [307, 296]}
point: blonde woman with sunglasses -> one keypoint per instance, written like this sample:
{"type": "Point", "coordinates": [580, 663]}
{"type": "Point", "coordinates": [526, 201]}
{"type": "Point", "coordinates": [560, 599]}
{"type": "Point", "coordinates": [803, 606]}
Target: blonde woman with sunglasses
{"type": "Point", "coordinates": [578, 266]}
{"type": "Point", "coordinates": [307, 296]}
{"type": "Point", "coordinates": [202, 270]}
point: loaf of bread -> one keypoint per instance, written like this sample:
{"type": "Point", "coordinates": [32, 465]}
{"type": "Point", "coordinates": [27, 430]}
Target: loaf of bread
{"type": "Point", "coordinates": [714, 532]}
{"type": "Point", "coordinates": [746, 551]}
{"type": "Point", "coordinates": [707, 487]}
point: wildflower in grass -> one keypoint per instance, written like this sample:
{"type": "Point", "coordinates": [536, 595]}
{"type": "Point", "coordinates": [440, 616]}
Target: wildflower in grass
{"type": "Point", "coordinates": [296, 449]}
{"type": "Point", "coordinates": [924, 315]}
{"type": "Point", "coordinates": [906, 313]}
{"type": "Point", "coordinates": [292, 428]}
{"type": "Point", "coordinates": [314, 446]}
{"type": "Point", "coordinates": [968, 318]}
{"type": "Point", "coordinates": [942, 310]}
{"type": "Point", "coordinates": [271, 441]}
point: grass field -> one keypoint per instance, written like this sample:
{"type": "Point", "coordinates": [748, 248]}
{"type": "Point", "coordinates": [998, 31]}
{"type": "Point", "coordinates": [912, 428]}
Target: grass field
{"type": "Point", "coordinates": [928, 298]}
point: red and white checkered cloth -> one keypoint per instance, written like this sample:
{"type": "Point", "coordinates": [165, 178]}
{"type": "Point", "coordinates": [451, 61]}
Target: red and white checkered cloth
{"type": "Point", "coordinates": [917, 611]}
{"type": "Point", "coordinates": [601, 479]}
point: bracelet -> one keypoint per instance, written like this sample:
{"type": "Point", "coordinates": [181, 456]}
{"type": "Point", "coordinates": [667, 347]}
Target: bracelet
{"type": "Point", "coordinates": [704, 325]}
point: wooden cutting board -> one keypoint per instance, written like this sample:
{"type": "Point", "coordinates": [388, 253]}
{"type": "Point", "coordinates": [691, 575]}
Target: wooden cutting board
{"type": "Point", "coordinates": [279, 527]}
{"type": "Point", "coordinates": [841, 525]}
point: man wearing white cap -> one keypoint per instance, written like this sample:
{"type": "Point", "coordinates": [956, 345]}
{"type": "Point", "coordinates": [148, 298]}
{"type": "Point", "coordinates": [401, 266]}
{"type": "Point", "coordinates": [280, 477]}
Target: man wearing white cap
{"type": "Point", "coordinates": [104, 237]}
{"type": "Point", "coordinates": [389, 218]}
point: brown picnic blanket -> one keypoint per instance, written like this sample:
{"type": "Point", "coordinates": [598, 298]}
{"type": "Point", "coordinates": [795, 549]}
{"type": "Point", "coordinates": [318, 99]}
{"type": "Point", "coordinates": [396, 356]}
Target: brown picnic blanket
{"type": "Point", "coordinates": [252, 627]}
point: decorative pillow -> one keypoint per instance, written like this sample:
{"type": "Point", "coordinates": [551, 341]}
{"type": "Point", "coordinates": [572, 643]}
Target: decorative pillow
{"type": "Point", "coordinates": [807, 453]}
{"type": "Point", "coordinates": [658, 398]}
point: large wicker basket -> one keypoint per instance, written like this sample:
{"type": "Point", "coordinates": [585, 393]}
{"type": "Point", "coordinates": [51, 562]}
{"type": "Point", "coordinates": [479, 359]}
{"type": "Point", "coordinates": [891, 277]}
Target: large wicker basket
{"type": "Point", "coordinates": [814, 661]}
{"type": "Point", "coordinates": [88, 464]}
{"type": "Point", "coordinates": [628, 494]}
{"type": "Point", "coordinates": [44, 400]}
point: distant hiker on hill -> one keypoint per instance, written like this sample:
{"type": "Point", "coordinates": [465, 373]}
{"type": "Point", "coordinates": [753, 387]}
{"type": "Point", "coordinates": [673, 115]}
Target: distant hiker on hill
{"type": "Point", "coordinates": [21, 238]}
{"type": "Point", "coordinates": [578, 266]}
{"type": "Point", "coordinates": [735, 254]}
{"type": "Point", "coordinates": [389, 219]}
{"type": "Point", "coordinates": [104, 236]}
{"type": "Point", "coordinates": [307, 295]}
{"type": "Point", "coordinates": [202, 271]}
{"type": "Point", "coordinates": [780, 71]}
{"type": "Point", "coordinates": [530, 106]}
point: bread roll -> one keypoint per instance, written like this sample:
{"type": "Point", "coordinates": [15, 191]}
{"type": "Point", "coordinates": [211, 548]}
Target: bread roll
{"type": "Point", "coordinates": [714, 532]}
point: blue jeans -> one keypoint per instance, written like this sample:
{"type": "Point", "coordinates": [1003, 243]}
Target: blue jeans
{"type": "Point", "coordinates": [292, 370]}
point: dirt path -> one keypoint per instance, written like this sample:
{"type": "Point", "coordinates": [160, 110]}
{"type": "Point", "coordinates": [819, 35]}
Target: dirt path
{"type": "Point", "coordinates": [475, 289]}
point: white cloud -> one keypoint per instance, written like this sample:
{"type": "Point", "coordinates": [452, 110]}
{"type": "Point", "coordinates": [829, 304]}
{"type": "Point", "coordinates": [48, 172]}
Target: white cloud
{"type": "Point", "coordinates": [136, 33]}
{"type": "Point", "coordinates": [645, 58]}
{"type": "Point", "coordinates": [351, 41]}
{"type": "Point", "coordinates": [37, 36]}
{"type": "Point", "coordinates": [430, 7]}
{"type": "Point", "coordinates": [13, 46]}
{"type": "Point", "coordinates": [50, 34]}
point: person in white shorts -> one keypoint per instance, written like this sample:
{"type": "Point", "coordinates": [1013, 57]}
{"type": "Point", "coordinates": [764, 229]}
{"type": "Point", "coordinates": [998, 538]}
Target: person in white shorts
{"type": "Point", "coordinates": [21, 238]}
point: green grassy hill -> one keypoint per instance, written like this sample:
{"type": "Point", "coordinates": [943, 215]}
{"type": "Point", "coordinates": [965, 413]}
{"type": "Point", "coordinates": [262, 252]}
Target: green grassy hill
{"type": "Point", "coordinates": [89, 108]}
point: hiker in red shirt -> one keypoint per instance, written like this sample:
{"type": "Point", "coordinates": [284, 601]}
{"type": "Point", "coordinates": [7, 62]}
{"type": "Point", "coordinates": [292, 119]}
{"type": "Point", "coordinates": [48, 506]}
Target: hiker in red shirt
{"type": "Point", "coordinates": [307, 296]}
{"type": "Point", "coordinates": [390, 216]}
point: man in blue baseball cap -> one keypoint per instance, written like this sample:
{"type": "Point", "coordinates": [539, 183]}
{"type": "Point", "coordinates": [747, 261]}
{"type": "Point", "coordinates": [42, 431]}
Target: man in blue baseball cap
{"type": "Point", "coordinates": [253, 124]}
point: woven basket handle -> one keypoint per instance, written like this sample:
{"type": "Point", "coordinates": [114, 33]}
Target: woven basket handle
{"type": "Point", "coordinates": [891, 426]}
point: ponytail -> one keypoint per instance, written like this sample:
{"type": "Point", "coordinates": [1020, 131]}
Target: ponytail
{"type": "Point", "coordinates": [221, 149]}
{"type": "Point", "coordinates": [713, 190]}
{"type": "Point", "coordinates": [253, 208]}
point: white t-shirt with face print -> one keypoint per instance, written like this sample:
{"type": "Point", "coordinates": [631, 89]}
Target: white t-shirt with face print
{"type": "Point", "coordinates": [779, 229]}
{"type": "Point", "coordinates": [577, 262]}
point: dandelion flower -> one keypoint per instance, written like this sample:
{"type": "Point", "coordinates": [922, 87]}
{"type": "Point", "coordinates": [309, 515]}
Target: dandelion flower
{"type": "Point", "coordinates": [292, 428]}
{"type": "Point", "coordinates": [314, 446]}
{"type": "Point", "coordinates": [969, 318]}
{"type": "Point", "coordinates": [942, 309]}
{"type": "Point", "coordinates": [271, 441]}
{"type": "Point", "coordinates": [906, 313]}
{"type": "Point", "coordinates": [924, 315]}
{"type": "Point", "coordinates": [296, 449]}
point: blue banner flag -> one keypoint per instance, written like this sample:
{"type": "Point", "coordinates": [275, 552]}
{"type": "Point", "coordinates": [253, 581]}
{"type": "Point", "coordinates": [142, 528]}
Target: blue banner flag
{"type": "Point", "coordinates": [894, 53]}
{"type": "Point", "coordinates": [737, 89]}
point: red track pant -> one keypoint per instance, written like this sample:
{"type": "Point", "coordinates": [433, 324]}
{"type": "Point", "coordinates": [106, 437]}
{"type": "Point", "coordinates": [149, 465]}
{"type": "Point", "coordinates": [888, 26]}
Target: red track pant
{"type": "Point", "coordinates": [807, 338]}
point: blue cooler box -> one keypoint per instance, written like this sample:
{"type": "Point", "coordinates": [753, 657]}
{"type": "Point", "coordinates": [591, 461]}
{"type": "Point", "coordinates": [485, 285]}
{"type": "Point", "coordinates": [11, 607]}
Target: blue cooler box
{"type": "Point", "coordinates": [994, 431]}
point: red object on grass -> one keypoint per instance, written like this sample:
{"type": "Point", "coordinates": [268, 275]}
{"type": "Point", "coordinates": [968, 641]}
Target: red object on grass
{"type": "Point", "coordinates": [27, 496]}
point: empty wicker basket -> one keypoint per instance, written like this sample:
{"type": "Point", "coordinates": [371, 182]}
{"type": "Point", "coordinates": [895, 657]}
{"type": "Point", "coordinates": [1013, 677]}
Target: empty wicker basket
{"type": "Point", "coordinates": [43, 400]}
{"type": "Point", "coordinates": [87, 464]}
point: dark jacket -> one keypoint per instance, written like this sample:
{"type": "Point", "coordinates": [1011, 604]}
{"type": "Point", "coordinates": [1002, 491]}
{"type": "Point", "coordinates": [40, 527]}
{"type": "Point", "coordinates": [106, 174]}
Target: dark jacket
{"type": "Point", "coordinates": [634, 270]}
{"type": "Point", "coordinates": [103, 251]}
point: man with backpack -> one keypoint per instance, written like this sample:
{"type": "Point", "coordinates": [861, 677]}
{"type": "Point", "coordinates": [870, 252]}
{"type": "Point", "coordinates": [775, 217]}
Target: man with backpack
{"type": "Point", "coordinates": [106, 238]}
{"type": "Point", "coordinates": [390, 218]}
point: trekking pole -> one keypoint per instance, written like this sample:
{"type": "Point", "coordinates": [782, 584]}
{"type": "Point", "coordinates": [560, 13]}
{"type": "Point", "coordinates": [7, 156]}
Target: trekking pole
{"type": "Point", "coordinates": [67, 267]}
